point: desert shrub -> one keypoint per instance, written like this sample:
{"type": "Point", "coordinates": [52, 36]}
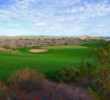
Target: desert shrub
{"type": "Point", "coordinates": [30, 43]}
{"type": "Point", "coordinates": [99, 82]}
{"type": "Point", "coordinates": [21, 38]}
{"type": "Point", "coordinates": [27, 79]}
{"type": "Point", "coordinates": [48, 42]}
{"type": "Point", "coordinates": [97, 77]}
{"type": "Point", "coordinates": [55, 42]}
{"type": "Point", "coordinates": [19, 45]}
{"type": "Point", "coordinates": [6, 46]}
{"type": "Point", "coordinates": [39, 38]}
{"type": "Point", "coordinates": [102, 40]}
{"type": "Point", "coordinates": [40, 41]}
{"type": "Point", "coordinates": [25, 45]}
{"type": "Point", "coordinates": [41, 44]}
{"type": "Point", "coordinates": [17, 51]}
{"type": "Point", "coordinates": [61, 43]}
{"type": "Point", "coordinates": [66, 43]}
{"type": "Point", "coordinates": [14, 51]}
{"type": "Point", "coordinates": [26, 38]}
{"type": "Point", "coordinates": [70, 43]}
{"type": "Point", "coordinates": [10, 92]}
{"type": "Point", "coordinates": [64, 38]}
{"type": "Point", "coordinates": [66, 74]}
{"type": "Point", "coordinates": [79, 39]}
{"type": "Point", "coordinates": [52, 44]}
{"type": "Point", "coordinates": [82, 72]}
{"type": "Point", "coordinates": [11, 51]}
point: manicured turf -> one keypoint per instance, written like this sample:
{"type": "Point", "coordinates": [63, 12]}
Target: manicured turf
{"type": "Point", "coordinates": [46, 62]}
{"type": "Point", "coordinates": [91, 41]}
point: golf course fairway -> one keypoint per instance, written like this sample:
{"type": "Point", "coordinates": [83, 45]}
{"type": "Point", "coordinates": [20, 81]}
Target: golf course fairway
{"type": "Point", "coordinates": [47, 62]}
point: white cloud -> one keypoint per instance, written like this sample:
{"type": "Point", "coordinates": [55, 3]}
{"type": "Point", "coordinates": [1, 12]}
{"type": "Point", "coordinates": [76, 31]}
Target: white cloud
{"type": "Point", "coordinates": [101, 27]}
{"type": "Point", "coordinates": [55, 26]}
{"type": "Point", "coordinates": [57, 13]}
{"type": "Point", "coordinates": [40, 24]}
{"type": "Point", "coordinates": [36, 10]}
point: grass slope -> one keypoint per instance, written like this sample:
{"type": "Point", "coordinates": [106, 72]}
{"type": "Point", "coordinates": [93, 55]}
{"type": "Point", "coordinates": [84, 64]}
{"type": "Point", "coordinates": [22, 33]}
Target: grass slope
{"type": "Point", "coordinates": [46, 62]}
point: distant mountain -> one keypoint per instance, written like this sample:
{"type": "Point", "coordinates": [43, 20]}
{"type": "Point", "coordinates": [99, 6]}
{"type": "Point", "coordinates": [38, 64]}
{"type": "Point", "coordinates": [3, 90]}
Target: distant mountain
{"type": "Point", "coordinates": [107, 37]}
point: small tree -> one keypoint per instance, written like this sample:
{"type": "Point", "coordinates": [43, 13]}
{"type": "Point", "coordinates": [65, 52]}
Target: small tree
{"type": "Point", "coordinates": [97, 77]}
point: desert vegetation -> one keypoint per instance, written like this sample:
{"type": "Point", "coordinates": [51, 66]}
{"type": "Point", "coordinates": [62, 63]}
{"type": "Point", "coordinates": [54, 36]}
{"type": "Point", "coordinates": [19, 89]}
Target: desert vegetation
{"type": "Point", "coordinates": [27, 79]}
{"type": "Point", "coordinates": [61, 73]}
{"type": "Point", "coordinates": [17, 42]}
{"type": "Point", "coordinates": [66, 74]}
{"type": "Point", "coordinates": [97, 76]}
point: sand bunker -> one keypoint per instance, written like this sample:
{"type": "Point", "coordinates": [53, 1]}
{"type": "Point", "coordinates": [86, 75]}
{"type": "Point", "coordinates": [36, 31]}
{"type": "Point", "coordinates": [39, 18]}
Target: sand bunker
{"type": "Point", "coordinates": [38, 50]}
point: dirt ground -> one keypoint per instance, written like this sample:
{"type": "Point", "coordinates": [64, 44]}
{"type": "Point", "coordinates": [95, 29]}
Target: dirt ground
{"type": "Point", "coordinates": [3, 49]}
{"type": "Point", "coordinates": [72, 91]}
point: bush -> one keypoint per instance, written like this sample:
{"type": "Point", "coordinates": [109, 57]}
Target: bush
{"type": "Point", "coordinates": [25, 45]}
{"type": "Point", "coordinates": [6, 46]}
{"type": "Point", "coordinates": [66, 43]}
{"type": "Point", "coordinates": [19, 45]}
{"type": "Point", "coordinates": [52, 44]}
{"type": "Point", "coordinates": [97, 77]}
{"type": "Point", "coordinates": [21, 38]}
{"type": "Point", "coordinates": [11, 51]}
{"type": "Point", "coordinates": [99, 82]}
{"type": "Point", "coordinates": [17, 51]}
{"type": "Point", "coordinates": [61, 43]}
{"type": "Point", "coordinates": [27, 79]}
{"type": "Point", "coordinates": [66, 74]}
{"type": "Point", "coordinates": [10, 92]}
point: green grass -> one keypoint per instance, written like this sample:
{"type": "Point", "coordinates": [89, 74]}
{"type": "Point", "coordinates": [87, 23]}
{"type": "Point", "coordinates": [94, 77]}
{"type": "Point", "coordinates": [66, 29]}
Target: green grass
{"type": "Point", "coordinates": [47, 62]}
{"type": "Point", "coordinates": [91, 41]}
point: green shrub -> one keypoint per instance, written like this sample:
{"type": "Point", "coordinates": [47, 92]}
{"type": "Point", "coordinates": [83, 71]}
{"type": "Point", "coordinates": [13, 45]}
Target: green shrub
{"type": "Point", "coordinates": [6, 46]}
{"type": "Point", "coordinates": [99, 82]}
{"type": "Point", "coordinates": [21, 38]}
{"type": "Point", "coordinates": [66, 74]}
{"type": "Point", "coordinates": [17, 51]}
{"type": "Point", "coordinates": [66, 44]}
{"type": "Point", "coordinates": [25, 45]}
{"type": "Point", "coordinates": [11, 51]}
{"type": "Point", "coordinates": [27, 79]}
{"type": "Point", "coordinates": [97, 77]}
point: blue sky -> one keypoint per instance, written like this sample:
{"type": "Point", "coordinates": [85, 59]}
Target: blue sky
{"type": "Point", "coordinates": [55, 17]}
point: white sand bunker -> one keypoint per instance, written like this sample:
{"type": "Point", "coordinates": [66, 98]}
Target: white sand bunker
{"type": "Point", "coordinates": [38, 50]}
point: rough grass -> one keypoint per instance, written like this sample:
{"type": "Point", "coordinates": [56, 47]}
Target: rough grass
{"type": "Point", "coordinates": [46, 62]}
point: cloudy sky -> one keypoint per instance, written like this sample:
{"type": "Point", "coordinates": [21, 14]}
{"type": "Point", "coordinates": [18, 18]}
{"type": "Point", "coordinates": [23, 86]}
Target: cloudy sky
{"type": "Point", "coordinates": [55, 17]}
